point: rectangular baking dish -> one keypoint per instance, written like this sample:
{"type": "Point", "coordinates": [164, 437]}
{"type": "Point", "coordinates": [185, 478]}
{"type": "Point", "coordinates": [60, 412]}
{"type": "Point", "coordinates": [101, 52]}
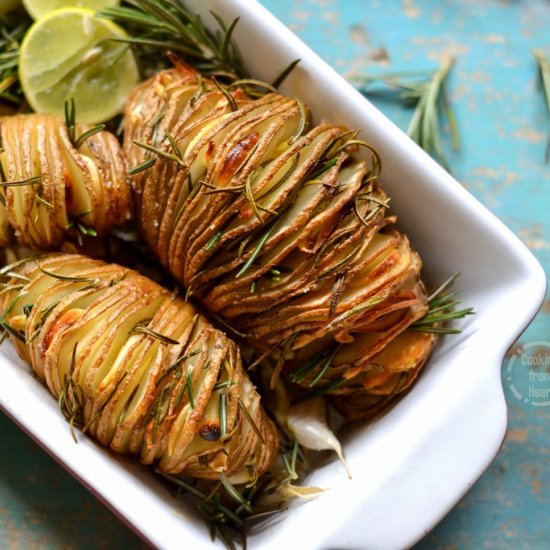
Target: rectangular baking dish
{"type": "Point", "coordinates": [411, 466]}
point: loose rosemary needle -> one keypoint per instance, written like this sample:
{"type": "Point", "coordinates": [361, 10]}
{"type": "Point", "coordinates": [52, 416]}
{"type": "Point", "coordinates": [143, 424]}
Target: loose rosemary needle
{"type": "Point", "coordinates": [432, 106]}
{"type": "Point", "coordinates": [544, 68]}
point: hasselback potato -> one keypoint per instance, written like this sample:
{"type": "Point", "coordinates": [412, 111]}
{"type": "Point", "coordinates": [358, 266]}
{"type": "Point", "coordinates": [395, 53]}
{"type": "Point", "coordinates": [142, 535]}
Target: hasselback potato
{"type": "Point", "coordinates": [137, 367]}
{"type": "Point", "coordinates": [59, 182]}
{"type": "Point", "coordinates": [275, 227]}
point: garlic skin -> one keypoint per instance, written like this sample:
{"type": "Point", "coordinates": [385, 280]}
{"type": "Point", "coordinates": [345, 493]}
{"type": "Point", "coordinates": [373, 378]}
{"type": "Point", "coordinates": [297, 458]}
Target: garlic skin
{"type": "Point", "coordinates": [307, 422]}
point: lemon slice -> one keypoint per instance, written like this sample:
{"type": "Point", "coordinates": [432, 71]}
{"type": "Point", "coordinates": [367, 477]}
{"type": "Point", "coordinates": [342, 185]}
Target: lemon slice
{"type": "Point", "coordinates": [40, 8]}
{"type": "Point", "coordinates": [70, 54]}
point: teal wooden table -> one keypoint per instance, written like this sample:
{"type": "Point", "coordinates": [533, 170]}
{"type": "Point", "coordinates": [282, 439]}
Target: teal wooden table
{"type": "Point", "coordinates": [503, 128]}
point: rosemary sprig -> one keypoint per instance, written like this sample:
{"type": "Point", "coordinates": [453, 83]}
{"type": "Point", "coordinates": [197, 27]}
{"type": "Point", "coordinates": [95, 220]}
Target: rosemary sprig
{"type": "Point", "coordinates": [219, 515]}
{"type": "Point", "coordinates": [320, 390]}
{"type": "Point", "coordinates": [88, 134]}
{"type": "Point", "coordinates": [177, 158]}
{"type": "Point", "coordinates": [284, 73]}
{"type": "Point", "coordinates": [66, 277]}
{"type": "Point", "coordinates": [544, 69]}
{"type": "Point", "coordinates": [43, 202]}
{"type": "Point", "coordinates": [8, 329]}
{"type": "Point", "coordinates": [223, 414]}
{"type": "Point", "coordinates": [230, 509]}
{"type": "Point", "coordinates": [34, 180]}
{"type": "Point", "coordinates": [162, 25]}
{"type": "Point", "coordinates": [81, 230]}
{"type": "Point", "coordinates": [233, 493]}
{"type": "Point", "coordinates": [230, 99]}
{"type": "Point", "coordinates": [70, 118]}
{"type": "Point", "coordinates": [71, 400]}
{"type": "Point", "coordinates": [432, 106]}
{"type": "Point", "coordinates": [224, 384]}
{"type": "Point", "coordinates": [213, 241]}
{"type": "Point", "coordinates": [441, 310]}
{"type": "Point", "coordinates": [256, 252]}
{"type": "Point", "coordinates": [12, 32]}
{"type": "Point", "coordinates": [144, 329]}
{"type": "Point", "coordinates": [142, 167]}
{"type": "Point", "coordinates": [253, 425]}
{"type": "Point", "coordinates": [189, 386]}
{"type": "Point", "coordinates": [322, 359]}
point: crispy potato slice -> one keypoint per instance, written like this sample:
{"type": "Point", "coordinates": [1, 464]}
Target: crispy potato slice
{"type": "Point", "coordinates": [279, 230]}
{"type": "Point", "coordinates": [136, 367]}
{"type": "Point", "coordinates": [54, 192]}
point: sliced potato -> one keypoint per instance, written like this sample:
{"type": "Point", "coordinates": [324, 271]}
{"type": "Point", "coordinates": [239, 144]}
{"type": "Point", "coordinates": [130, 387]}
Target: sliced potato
{"type": "Point", "coordinates": [281, 231]}
{"type": "Point", "coordinates": [51, 191]}
{"type": "Point", "coordinates": [136, 367]}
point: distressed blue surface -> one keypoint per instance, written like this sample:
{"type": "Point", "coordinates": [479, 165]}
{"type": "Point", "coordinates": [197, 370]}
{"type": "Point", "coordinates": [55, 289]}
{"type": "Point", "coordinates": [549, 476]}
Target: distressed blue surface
{"type": "Point", "coordinates": [503, 125]}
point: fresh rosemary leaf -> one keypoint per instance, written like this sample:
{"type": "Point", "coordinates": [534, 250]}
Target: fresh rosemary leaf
{"type": "Point", "coordinates": [70, 118]}
{"type": "Point", "coordinates": [432, 106]}
{"type": "Point", "coordinates": [43, 202]}
{"type": "Point", "coordinates": [441, 310]}
{"type": "Point", "coordinates": [233, 493]}
{"type": "Point", "coordinates": [163, 25]}
{"type": "Point", "coordinates": [160, 153]}
{"type": "Point", "coordinates": [213, 241]}
{"type": "Point", "coordinates": [222, 385]}
{"type": "Point", "coordinates": [8, 309]}
{"type": "Point", "coordinates": [301, 373]}
{"type": "Point", "coordinates": [189, 384]}
{"type": "Point", "coordinates": [325, 167]}
{"type": "Point", "coordinates": [244, 410]}
{"type": "Point", "coordinates": [13, 331]}
{"type": "Point", "coordinates": [144, 329]}
{"type": "Point", "coordinates": [27, 310]}
{"type": "Point", "coordinates": [284, 73]}
{"type": "Point", "coordinates": [174, 146]}
{"type": "Point", "coordinates": [200, 495]}
{"type": "Point", "coordinates": [88, 134]}
{"type": "Point", "coordinates": [256, 252]}
{"type": "Point", "coordinates": [65, 277]}
{"type": "Point", "coordinates": [248, 82]}
{"type": "Point", "coordinates": [321, 390]}
{"type": "Point", "coordinates": [230, 99]}
{"type": "Point", "coordinates": [223, 415]}
{"type": "Point", "coordinates": [323, 369]}
{"type": "Point", "coordinates": [35, 180]}
{"type": "Point", "coordinates": [253, 202]}
{"type": "Point", "coordinates": [142, 167]}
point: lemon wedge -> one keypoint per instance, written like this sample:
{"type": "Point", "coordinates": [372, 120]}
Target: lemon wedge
{"type": "Point", "coordinates": [40, 8]}
{"type": "Point", "coordinates": [71, 53]}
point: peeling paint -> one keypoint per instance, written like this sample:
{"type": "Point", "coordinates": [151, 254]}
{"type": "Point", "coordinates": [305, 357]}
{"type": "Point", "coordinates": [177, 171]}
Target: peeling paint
{"type": "Point", "coordinates": [518, 435]}
{"type": "Point", "coordinates": [410, 10]}
{"type": "Point", "coordinates": [528, 134]}
{"type": "Point", "coordinates": [358, 34]}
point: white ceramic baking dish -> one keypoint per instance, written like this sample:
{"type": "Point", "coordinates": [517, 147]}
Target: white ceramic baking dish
{"type": "Point", "coordinates": [409, 467]}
